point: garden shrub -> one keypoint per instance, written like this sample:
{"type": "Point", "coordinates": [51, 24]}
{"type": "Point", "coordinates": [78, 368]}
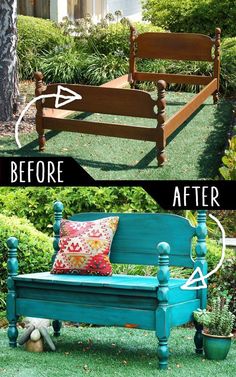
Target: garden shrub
{"type": "Point", "coordinates": [115, 38]}
{"type": "Point", "coordinates": [223, 283]}
{"type": "Point", "coordinates": [36, 36]}
{"type": "Point", "coordinates": [35, 204]}
{"type": "Point", "coordinates": [63, 64]}
{"type": "Point", "coordinates": [103, 68]}
{"type": "Point", "coordinates": [200, 16]}
{"type": "Point", "coordinates": [228, 170]}
{"type": "Point", "coordinates": [35, 248]}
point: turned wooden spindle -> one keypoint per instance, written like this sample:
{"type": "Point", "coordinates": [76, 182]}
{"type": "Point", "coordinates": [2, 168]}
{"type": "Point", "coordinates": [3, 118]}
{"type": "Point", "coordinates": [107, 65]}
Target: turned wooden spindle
{"type": "Point", "coordinates": [161, 118]}
{"type": "Point", "coordinates": [39, 89]}
{"type": "Point", "coordinates": [217, 63]}
{"type": "Point", "coordinates": [132, 68]}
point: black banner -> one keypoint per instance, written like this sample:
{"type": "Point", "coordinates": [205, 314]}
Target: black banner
{"type": "Point", "coordinates": [66, 171]}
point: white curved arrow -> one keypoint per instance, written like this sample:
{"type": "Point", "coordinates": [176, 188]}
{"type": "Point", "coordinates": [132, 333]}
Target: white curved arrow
{"type": "Point", "coordinates": [202, 278]}
{"type": "Point", "coordinates": [59, 96]}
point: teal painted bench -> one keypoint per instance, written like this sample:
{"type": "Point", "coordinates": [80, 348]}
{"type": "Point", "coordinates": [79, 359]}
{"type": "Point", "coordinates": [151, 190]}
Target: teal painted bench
{"type": "Point", "coordinates": [144, 302]}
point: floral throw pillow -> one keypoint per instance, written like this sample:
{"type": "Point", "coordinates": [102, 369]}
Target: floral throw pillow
{"type": "Point", "coordinates": [85, 247]}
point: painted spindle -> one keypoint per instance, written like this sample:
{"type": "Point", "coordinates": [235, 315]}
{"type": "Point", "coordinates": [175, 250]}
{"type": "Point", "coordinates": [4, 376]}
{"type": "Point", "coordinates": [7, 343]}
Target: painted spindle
{"type": "Point", "coordinates": [161, 118]}
{"type": "Point", "coordinates": [12, 268]}
{"type": "Point", "coordinates": [162, 313]}
{"type": "Point", "coordinates": [201, 249]}
{"type": "Point", "coordinates": [58, 208]}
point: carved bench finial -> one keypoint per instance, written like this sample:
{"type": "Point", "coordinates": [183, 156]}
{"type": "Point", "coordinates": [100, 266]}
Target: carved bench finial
{"type": "Point", "coordinates": [58, 209]}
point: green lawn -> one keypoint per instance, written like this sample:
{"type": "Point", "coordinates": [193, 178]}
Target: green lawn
{"type": "Point", "coordinates": [112, 352]}
{"type": "Point", "coordinates": [194, 153]}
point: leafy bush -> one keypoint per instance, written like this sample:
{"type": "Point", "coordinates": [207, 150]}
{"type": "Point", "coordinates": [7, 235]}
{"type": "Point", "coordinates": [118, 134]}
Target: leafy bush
{"type": "Point", "coordinates": [115, 38]}
{"type": "Point", "coordinates": [36, 36]}
{"type": "Point", "coordinates": [219, 321]}
{"type": "Point", "coordinates": [192, 16]}
{"type": "Point", "coordinates": [228, 171]}
{"type": "Point", "coordinates": [224, 281]}
{"type": "Point", "coordinates": [35, 204]}
{"type": "Point", "coordinates": [63, 64]}
{"type": "Point", "coordinates": [103, 68]}
{"type": "Point", "coordinates": [35, 248]}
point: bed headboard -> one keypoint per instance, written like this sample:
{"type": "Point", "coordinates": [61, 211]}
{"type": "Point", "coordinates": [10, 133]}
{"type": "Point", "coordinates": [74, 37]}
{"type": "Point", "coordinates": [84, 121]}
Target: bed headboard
{"type": "Point", "coordinates": [174, 46]}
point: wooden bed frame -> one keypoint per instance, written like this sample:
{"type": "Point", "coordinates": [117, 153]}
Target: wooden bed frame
{"type": "Point", "coordinates": [112, 98]}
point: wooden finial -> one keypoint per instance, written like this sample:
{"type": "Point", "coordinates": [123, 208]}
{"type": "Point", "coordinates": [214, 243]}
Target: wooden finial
{"type": "Point", "coordinates": [161, 118]}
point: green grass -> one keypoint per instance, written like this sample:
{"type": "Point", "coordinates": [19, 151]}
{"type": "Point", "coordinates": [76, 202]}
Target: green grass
{"type": "Point", "coordinates": [112, 352]}
{"type": "Point", "coordinates": [194, 153]}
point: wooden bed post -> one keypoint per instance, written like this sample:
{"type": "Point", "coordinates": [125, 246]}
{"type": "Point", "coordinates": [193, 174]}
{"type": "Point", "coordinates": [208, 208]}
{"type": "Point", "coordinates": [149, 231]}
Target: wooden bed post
{"type": "Point", "coordinates": [12, 267]}
{"type": "Point", "coordinates": [132, 68]}
{"type": "Point", "coordinates": [201, 233]}
{"type": "Point", "coordinates": [39, 114]}
{"type": "Point", "coordinates": [217, 63]}
{"type": "Point", "coordinates": [162, 312]}
{"type": "Point", "coordinates": [161, 118]}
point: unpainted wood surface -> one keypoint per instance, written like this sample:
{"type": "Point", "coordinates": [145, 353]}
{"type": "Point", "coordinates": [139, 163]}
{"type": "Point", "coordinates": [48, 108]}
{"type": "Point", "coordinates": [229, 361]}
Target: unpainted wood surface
{"type": "Point", "coordinates": [103, 129]}
{"type": "Point", "coordinates": [174, 46]}
{"type": "Point", "coordinates": [120, 82]}
{"type": "Point", "coordinates": [104, 100]}
{"type": "Point", "coordinates": [137, 236]}
{"type": "Point", "coordinates": [183, 114]}
{"type": "Point", "coordinates": [172, 78]}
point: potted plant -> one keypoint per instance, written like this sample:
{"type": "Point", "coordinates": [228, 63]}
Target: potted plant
{"type": "Point", "coordinates": [217, 329]}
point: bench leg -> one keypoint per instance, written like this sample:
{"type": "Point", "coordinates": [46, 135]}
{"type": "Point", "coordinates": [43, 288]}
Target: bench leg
{"type": "Point", "coordinates": [198, 338]}
{"type": "Point", "coordinates": [56, 327]}
{"type": "Point", "coordinates": [163, 353]}
{"type": "Point", "coordinates": [12, 333]}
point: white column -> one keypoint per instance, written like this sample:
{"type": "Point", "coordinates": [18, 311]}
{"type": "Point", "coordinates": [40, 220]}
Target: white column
{"type": "Point", "coordinates": [58, 10]}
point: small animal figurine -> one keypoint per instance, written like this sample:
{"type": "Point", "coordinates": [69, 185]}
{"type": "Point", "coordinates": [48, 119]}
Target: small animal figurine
{"type": "Point", "coordinates": [36, 334]}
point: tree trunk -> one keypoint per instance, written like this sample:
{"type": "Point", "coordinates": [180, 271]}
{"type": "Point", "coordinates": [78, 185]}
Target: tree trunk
{"type": "Point", "coordinates": [8, 59]}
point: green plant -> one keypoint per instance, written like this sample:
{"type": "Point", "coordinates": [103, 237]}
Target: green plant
{"type": "Point", "coordinates": [192, 16]}
{"type": "Point", "coordinates": [104, 68]}
{"type": "Point", "coordinates": [35, 248]}
{"type": "Point", "coordinates": [218, 321]}
{"type": "Point", "coordinates": [63, 64]}
{"type": "Point", "coordinates": [228, 171]}
{"type": "Point", "coordinates": [35, 204]}
{"type": "Point", "coordinates": [223, 283]}
{"type": "Point", "coordinates": [36, 35]}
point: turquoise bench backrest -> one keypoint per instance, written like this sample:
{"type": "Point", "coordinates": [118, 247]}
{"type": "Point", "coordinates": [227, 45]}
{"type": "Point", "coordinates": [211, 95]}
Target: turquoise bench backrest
{"type": "Point", "coordinates": [138, 234]}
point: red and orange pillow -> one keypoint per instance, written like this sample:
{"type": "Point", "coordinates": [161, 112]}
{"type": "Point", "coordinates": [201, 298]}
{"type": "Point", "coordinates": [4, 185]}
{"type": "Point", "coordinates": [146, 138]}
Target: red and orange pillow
{"type": "Point", "coordinates": [85, 247]}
